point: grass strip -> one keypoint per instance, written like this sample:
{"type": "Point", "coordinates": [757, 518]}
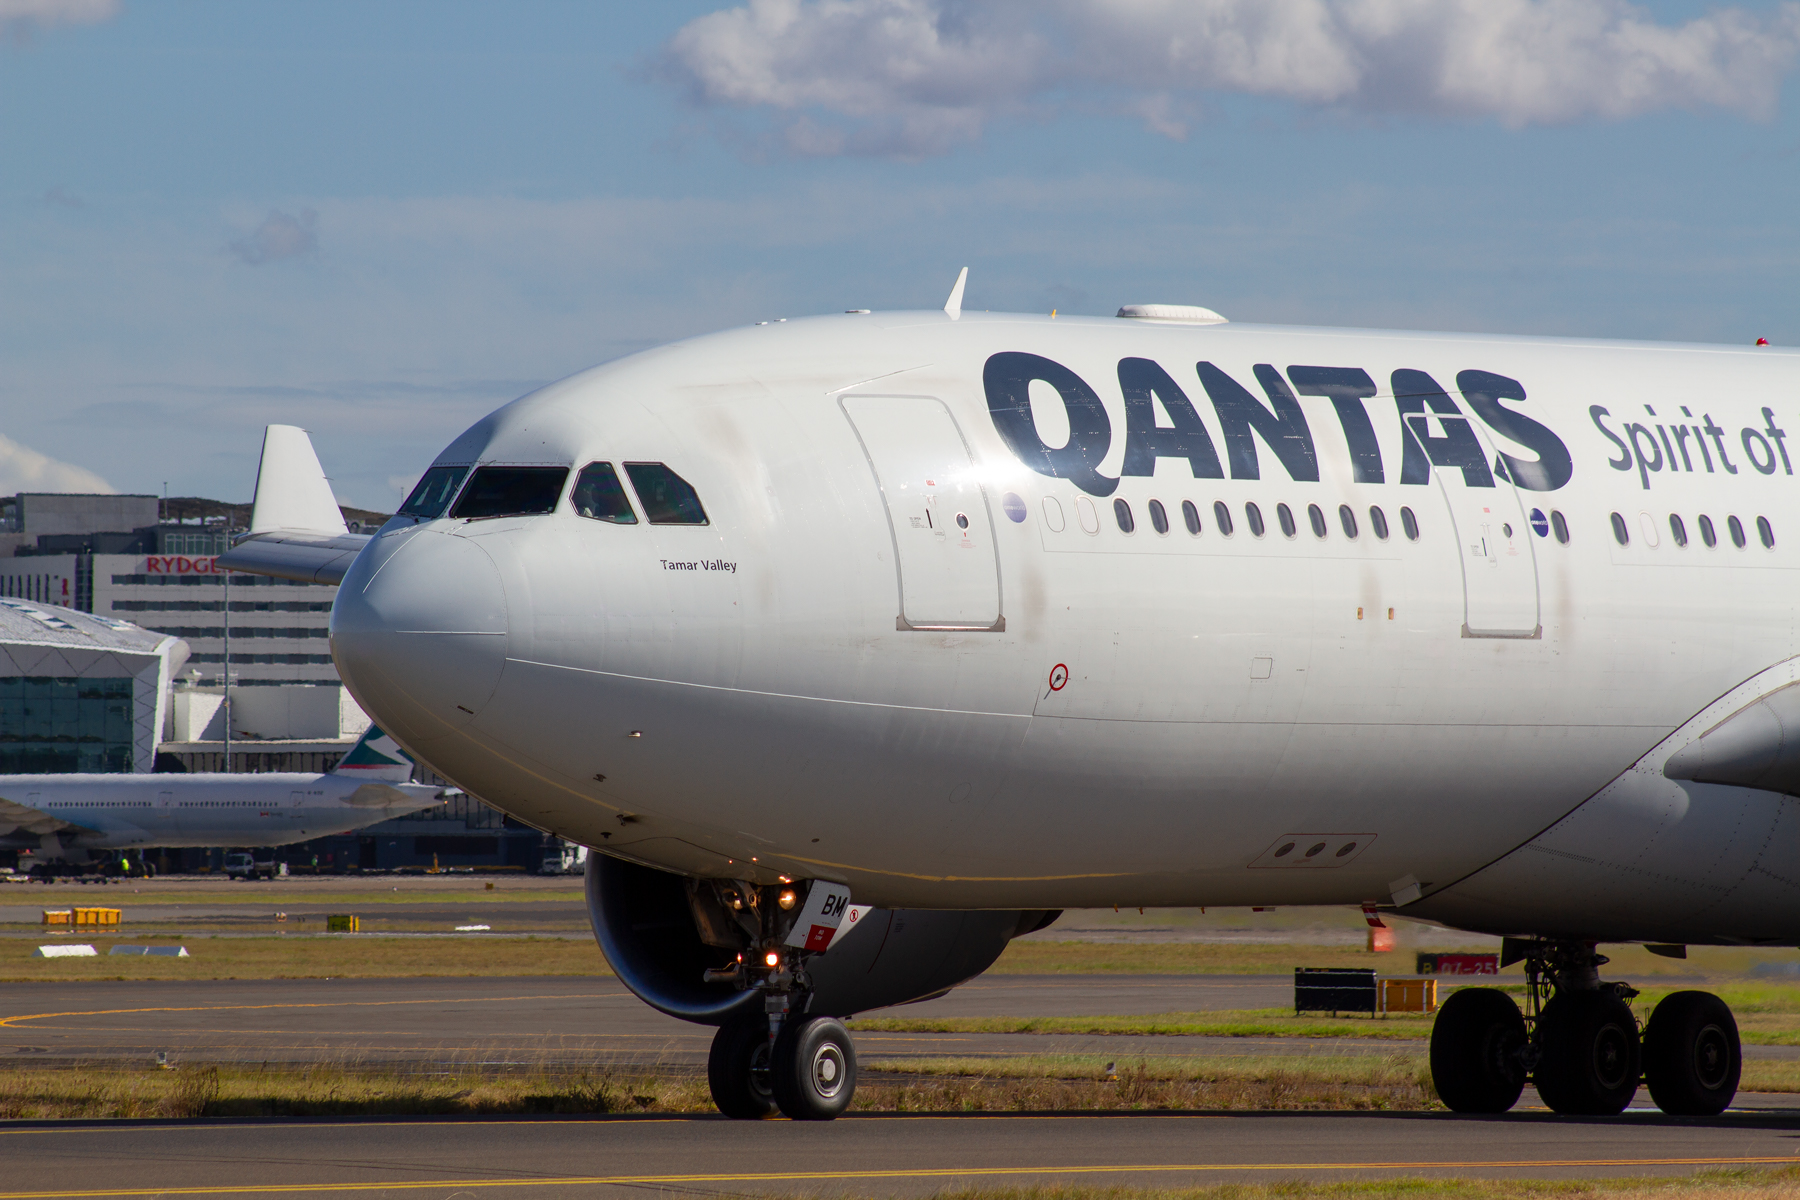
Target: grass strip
{"type": "Point", "coordinates": [1768, 1014]}
{"type": "Point", "coordinates": [1746, 1183]}
{"type": "Point", "coordinates": [1027, 1083]}
{"type": "Point", "coordinates": [344, 956]}
{"type": "Point", "coordinates": [275, 895]}
{"type": "Point", "coordinates": [1261, 1022]}
{"type": "Point", "coordinates": [99, 1091]}
{"type": "Point", "coordinates": [1041, 956]}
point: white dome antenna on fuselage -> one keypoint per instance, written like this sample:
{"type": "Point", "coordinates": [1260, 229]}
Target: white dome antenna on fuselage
{"type": "Point", "coordinates": [1172, 314]}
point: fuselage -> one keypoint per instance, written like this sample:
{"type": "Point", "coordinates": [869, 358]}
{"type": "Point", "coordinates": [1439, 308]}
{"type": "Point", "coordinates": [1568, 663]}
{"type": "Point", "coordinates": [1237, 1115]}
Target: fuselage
{"type": "Point", "coordinates": [112, 812]}
{"type": "Point", "coordinates": [948, 635]}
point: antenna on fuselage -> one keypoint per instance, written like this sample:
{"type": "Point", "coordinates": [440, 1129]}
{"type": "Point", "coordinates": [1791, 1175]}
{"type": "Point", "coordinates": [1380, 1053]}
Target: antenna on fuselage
{"type": "Point", "coordinates": [953, 306]}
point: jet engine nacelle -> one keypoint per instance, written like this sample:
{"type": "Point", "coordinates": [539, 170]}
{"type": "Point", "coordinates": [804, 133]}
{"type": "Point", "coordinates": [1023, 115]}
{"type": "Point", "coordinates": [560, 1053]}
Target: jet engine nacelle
{"type": "Point", "coordinates": [645, 927]}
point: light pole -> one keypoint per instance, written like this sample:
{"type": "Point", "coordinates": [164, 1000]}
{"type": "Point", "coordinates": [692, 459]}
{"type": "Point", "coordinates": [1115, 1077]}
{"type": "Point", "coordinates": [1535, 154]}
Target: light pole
{"type": "Point", "coordinates": [225, 630]}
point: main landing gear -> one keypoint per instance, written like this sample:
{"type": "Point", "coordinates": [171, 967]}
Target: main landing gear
{"type": "Point", "coordinates": [1578, 1042]}
{"type": "Point", "coordinates": [781, 1059]}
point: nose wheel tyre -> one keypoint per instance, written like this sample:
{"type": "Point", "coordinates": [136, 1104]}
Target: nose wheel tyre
{"type": "Point", "coordinates": [813, 1074]}
{"type": "Point", "coordinates": [737, 1070]}
{"type": "Point", "coordinates": [1691, 1055]}
{"type": "Point", "coordinates": [1591, 1058]}
{"type": "Point", "coordinates": [1475, 1046]}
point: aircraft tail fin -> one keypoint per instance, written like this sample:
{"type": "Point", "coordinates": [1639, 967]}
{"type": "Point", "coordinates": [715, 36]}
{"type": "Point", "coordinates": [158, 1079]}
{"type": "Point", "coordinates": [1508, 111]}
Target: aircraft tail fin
{"type": "Point", "coordinates": [292, 492]}
{"type": "Point", "coordinates": [376, 756]}
{"type": "Point", "coordinates": [296, 529]}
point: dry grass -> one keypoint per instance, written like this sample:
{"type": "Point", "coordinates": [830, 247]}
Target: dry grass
{"type": "Point", "coordinates": [1089, 1083]}
{"type": "Point", "coordinates": [1745, 1184]}
{"type": "Point", "coordinates": [324, 957]}
{"type": "Point", "coordinates": [350, 1089]}
{"type": "Point", "coordinates": [108, 1091]}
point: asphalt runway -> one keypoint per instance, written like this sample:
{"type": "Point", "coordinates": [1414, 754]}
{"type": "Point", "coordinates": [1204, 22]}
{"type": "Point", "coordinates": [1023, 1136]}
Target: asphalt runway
{"type": "Point", "coordinates": [879, 1155]}
{"type": "Point", "coordinates": [580, 1021]}
{"type": "Point", "coordinates": [575, 1021]}
{"type": "Point", "coordinates": [563, 1021]}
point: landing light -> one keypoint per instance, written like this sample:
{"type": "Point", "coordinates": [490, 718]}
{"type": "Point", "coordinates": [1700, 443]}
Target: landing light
{"type": "Point", "coordinates": [772, 959]}
{"type": "Point", "coordinates": [787, 899]}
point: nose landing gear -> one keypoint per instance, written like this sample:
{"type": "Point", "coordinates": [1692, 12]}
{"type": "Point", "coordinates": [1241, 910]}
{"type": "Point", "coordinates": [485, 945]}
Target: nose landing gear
{"type": "Point", "coordinates": [781, 1059]}
{"type": "Point", "coordinates": [737, 1069]}
{"type": "Point", "coordinates": [813, 1070]}
{"type": "Point", "coordinates": [1579, 1042]}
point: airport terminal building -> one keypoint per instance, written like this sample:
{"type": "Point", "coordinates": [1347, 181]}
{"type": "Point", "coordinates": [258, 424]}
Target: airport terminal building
{"type": "Point", "coordinates": [112, 658]}
{"type": "Point", "coordinates": [161, 577]}
{"type": "Point", "coordinates": [80, 692]}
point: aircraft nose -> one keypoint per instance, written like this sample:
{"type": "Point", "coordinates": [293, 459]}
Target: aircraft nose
{"type": "Point", "coordinates": [418, 630]}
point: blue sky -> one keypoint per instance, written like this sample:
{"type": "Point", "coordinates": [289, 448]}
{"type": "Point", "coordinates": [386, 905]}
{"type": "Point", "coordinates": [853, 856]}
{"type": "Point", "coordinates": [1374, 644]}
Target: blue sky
{"type": "Point", "coordinates": [382, 220]}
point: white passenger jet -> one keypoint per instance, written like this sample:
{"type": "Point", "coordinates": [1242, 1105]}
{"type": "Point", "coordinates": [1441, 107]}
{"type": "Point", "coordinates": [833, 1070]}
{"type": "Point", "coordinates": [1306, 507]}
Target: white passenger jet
{"type": "Point", "coordinates": [79, 817]}
{"type": "Point", "coordinates": [972, 617]}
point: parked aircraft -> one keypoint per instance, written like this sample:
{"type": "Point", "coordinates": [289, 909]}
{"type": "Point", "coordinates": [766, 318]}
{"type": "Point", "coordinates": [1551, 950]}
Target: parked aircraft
{"type": "Point", "coordinates": [972, 617]}
{"type": "Point", "coordinates": [79, 817]}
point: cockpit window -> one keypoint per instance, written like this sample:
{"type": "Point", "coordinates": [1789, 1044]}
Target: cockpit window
{"type": "Point", "coordinates": [599, 495]}
{"type": "Point", "coordinates": [434, 493]}
{"type": "Point", "coordinates": [668, 499]}
{"type": "Point", "coordinates": [511, 491]}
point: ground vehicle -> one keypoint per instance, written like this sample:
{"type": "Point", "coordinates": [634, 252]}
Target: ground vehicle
{"type": "Point", "coordinates": [242, 864]}
{"type": "Point", "coordinates": [563, 858]}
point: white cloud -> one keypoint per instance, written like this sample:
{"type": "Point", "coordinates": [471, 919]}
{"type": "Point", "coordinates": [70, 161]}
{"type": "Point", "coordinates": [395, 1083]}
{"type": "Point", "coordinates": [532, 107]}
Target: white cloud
{"type": "Point", "coordinates": [912, 77]}
{"type": "Point", "coordinates": [20, 19]}
{"type": "Point", "coordinates": [23, 469]}
{"type": "Point", "coordinates": [279, 236]}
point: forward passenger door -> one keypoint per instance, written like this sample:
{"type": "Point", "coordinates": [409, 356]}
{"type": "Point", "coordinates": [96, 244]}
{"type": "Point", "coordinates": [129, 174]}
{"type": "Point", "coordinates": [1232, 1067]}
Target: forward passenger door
{"type": "Point", "coordinates": [948, 569]}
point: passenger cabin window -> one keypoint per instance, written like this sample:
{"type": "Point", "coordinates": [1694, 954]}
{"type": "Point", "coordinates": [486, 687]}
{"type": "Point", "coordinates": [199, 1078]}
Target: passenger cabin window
{"type": "Point", "coordinates": [599, 495]}
{"type": "Point", "coordinates": [1621, 533]}
{"type": "Point", "coordinates": [433, 493]}
{"type": "Point", "coordinates": [1560, 525]}
{"type": "Point", "coordinates": [511, 492]}
{"type": "Point", "coordinates": [1347, 519]}
{"type": "Point", "coordinates": [1159, 518]}
{"type": "Point", "coordinates": [1253, 518]}
{"type": "Point", "coordinates": [1678, 529]}
{"type": "Point", "coordinates": [1191, 516]}
{"type": "Point", "coordinates": [1222, 518]}
{"type": "Point", "coordinates": [1285, 515]}
{"type": "Point", "coordinates": [1409, 523]}
{"type": "Point", "coordinates": [1378, 522]}
{"type": "Point", "coordinates": [1707, 533]}
{"type": "Point", "coordinates": [668, 499]}
{"type": "Point", "coordinates": [1737, 531]}
{"type": "Point", "coordinates": [1316, 518]}
{"type": "Point", "coordinates": [1766, 532]}
{"type": "Point", "coordinates": [1122, 514]}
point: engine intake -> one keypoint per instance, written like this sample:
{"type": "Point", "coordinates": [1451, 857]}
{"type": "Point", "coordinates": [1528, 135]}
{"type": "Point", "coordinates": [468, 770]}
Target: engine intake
{"type": "Point", "coordinates": [644, 922]}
